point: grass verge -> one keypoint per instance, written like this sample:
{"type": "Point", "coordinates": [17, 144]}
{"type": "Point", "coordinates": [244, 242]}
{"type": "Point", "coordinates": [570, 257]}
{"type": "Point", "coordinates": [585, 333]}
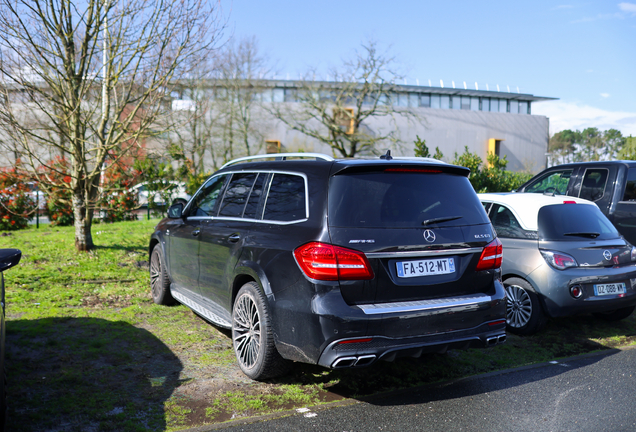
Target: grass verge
{"type": "Point", "coordinates": [87, 349]}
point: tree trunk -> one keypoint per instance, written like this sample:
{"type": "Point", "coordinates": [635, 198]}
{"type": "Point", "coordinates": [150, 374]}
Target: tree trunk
{"type": "Point", "coordinates": [83, 221]}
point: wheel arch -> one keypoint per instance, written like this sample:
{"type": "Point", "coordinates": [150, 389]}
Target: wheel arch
{"type": "Point", "coordinates": [249, 271]}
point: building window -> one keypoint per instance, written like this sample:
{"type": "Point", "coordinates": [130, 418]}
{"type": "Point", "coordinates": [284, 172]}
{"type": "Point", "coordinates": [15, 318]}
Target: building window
{"type": "Point", "coordinates": [474, 104]}
{"type": "Point", "coordinates": [445, 101]}
{"type": "Point", "coordinates": [514, 107]}
{"type": "Point", "coordinates": [425, 100]}
{"type": "Point", "coordinates": [278, 95]}
{"type": "Point", "coordinates": [523, 107]}
{"type": "Point", "coordinates": [485, 104]}
{"type": "Point", "coordinates": [503, 105]}
{"type": "Point", "coordinates": [413, 100]}
{"type": "Point", "coordinates": [402, 99]}
{"type": "Point", "coordinates": [290, 95]}
{"type": "Point", "coordinates": [436, 101]}
{"type": "Point", "coordinates": [465, 102]}
{"type": "Point", "coordinates": [456, 102]}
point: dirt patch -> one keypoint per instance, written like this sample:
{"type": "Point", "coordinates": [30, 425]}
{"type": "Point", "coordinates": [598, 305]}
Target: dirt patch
{"type": "Point", "coordinates": [118, 301]}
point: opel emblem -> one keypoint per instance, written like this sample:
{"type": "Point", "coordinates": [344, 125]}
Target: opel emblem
{"type": "Point", "coordinates": [429, 236]}
{"type": "Point", "coordinates": [607, 255]}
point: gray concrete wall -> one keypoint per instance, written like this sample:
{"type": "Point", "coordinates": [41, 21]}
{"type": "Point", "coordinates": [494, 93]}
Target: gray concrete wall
{"type": "Point", "coordinates": [524, 137]}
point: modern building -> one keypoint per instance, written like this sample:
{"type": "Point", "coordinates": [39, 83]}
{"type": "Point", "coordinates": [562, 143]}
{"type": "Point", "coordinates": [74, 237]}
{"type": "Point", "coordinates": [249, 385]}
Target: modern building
{"type": "Point", "coordinates": [451, 119]}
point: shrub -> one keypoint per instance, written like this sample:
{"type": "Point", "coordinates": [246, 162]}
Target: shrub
{"type": "Point", "coordinates": [120, 203]}
{"type": "Point", "coordinates": [59, 208]}
{"type": "Point", "coordinates": [495, 178]}
{"type": "Point", "coordinates": [16, 205]}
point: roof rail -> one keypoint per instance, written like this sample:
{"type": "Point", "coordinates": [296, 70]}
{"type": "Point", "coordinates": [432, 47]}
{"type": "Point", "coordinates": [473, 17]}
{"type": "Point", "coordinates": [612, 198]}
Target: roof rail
{"type": "Point", "coordinates": [280, 156]}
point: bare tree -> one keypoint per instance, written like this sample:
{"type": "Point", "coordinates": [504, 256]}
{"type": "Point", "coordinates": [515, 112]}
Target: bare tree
{"type": "Point", "coordinates": [337, 112]}
{"type": "Point", "coordinates": [219, 107]}
{"type": "Point", "coordinates": [90, 80]}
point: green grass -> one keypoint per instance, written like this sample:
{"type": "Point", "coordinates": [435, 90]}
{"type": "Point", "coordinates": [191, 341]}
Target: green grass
{"type": "Point", "coordinates": [87, 349]}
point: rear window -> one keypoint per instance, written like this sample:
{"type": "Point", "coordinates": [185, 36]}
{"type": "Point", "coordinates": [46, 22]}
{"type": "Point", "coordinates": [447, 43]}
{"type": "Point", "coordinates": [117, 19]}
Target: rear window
{"type": "Point", "coordinates": [574, 222]}
{"type": "Point", "coordinates": [402, 199]}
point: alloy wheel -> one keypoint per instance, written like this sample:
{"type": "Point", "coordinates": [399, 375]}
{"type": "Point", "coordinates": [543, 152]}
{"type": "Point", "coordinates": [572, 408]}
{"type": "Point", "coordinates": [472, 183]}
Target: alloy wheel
{"type": "Point", "coordinates": [246, 331]}
{"type": "Point", "coordinates": [518, 306]}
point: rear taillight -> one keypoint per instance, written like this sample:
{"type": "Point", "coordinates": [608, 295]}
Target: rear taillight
{"type": "Point", "coordinates": [322, 261]}
{"type": "Point", "coordinates": [633, 254]}
{"type": "Point", "coordinates": [559, 260]}
{"type": "Point", "coordinates": [491, 256]}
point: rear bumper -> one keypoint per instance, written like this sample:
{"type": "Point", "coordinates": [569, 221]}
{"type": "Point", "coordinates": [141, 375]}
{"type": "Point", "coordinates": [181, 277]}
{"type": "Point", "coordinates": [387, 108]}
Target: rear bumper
{"type": "Point", "coordinates": [343, 353]}
{"type": "Point", "coordinates": [335, 334]}
{"type": "Point", "coordinates": [554, 289]}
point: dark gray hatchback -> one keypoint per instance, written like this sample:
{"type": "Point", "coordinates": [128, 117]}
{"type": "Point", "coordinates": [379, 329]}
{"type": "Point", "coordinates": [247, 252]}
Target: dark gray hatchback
{"type": "Point", "coordinates": [334, 262]}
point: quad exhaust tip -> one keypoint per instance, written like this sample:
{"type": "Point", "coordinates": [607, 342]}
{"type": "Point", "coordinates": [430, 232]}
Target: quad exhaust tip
{"type": "Point", "coordinates": [495, 340]}
{"type": "Point", "coordinates": [345, 362]}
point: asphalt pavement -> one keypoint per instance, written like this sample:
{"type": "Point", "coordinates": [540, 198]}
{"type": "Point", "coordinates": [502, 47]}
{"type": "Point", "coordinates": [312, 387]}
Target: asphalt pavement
{"type": "Point", "coordinates": [588, 393]}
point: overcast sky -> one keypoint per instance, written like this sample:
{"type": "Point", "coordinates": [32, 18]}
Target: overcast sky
{"type": "Point", "coordinates": [582, 52]}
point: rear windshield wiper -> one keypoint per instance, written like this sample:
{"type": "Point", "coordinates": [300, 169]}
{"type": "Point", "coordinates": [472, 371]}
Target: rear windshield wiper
{"type": "Point", "coordinates": [440, 219]}
{"type": "Point", "coordinates": [583, 234]}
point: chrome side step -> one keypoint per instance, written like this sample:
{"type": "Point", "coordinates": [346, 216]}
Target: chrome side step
{"type": "Point", "coordinates": [201, 310]}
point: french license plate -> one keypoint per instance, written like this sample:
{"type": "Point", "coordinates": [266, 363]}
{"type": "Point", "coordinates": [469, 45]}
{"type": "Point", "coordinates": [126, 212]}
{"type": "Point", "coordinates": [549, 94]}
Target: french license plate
{"type": "Point", "coordinates": [407, 269]}
{"type": "Point", "coordinates": [609, 289]}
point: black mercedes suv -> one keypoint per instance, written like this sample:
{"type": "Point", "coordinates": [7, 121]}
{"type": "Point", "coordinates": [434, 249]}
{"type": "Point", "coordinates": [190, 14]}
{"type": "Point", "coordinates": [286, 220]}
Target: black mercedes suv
{"type": "Point", "coordinates": [336, 262]}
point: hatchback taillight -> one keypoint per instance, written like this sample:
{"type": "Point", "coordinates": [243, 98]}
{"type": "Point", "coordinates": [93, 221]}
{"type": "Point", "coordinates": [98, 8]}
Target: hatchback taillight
{"type": "Point", "coordinates": [491, 256]}
{"type": "Point", "coordinates": [322, 261]}
{"type": "Point", "coordinates": [559, 260]}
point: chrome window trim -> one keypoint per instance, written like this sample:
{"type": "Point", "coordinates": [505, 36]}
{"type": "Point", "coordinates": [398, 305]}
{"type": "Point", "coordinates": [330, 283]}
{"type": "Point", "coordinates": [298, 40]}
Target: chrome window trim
{"type": "Point", "coordinates": [425, 305]}
{"type": "Point", "coordinates": [237, 219]}
{"type": "Point", "coordinates": [415, 254]}
{"type": "Point", "coordinates": [273, 172]}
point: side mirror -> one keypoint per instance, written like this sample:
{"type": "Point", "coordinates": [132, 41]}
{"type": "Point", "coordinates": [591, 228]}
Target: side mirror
{"type": "Point", "coordinates": [175, 211]}
{"type": "Point", "coordinates": [9, 258]}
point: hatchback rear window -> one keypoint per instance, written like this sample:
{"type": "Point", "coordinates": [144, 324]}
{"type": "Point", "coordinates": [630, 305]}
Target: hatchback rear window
{"type": "Point", "coordinates": [403, 199]}
{"type": "Point", "coordinates": [574, 222]}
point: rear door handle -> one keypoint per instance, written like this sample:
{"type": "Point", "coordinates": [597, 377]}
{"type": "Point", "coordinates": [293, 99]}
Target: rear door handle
{"type": "Point", "coordinates": [196, 232]}
{"type": "Point", "coordinates": [234, 238]}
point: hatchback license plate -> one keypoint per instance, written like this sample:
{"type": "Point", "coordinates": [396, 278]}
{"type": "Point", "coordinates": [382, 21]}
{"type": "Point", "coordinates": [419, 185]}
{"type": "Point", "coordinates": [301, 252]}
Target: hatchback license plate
{"type": "Point", "coordinates": [609, 289]}
{"type": "Point", "coordinates": [406, 269]}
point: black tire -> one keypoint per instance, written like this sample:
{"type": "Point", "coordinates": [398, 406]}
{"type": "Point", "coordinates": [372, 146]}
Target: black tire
{"type": "Point", "coordinates": [159, 280]}
{"type": "Point", "coordinates": [524, 315]}
{"type": "Point", "coordinates": [252, 336]}
{"type": "Point", "coordinates": [615, 315]}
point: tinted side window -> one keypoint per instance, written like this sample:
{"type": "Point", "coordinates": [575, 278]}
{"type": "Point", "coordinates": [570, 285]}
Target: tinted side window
{"type": "Point", "coordinates": [255, 197]}
{"type": "Point", "coordinates": [630, 186]}
{"type": "Point", "coordinates": [205, 203]}
{"type": "Point", "coordinates": [593, 186]}
{"type": "Point", "coordinates": [286, 198]}
{"type": "Point", "coordinates": [506, 224]}
{"type": "Point", "coordinates": [236, 194]}
{"type": "Point", "coordinates": [556, 181]}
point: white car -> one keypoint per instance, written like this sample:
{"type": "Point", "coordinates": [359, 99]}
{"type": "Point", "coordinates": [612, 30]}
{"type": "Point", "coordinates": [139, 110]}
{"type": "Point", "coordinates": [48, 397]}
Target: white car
{"type": "Point", "coordinates": [561, 257]}
{"type": "Point", "coordinates": [166, 193]}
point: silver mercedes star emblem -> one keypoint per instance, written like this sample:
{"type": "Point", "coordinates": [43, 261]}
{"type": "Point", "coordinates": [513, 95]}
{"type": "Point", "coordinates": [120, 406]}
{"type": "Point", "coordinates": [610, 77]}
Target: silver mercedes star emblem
{"type": "Point", "coordinates": [429, 236]}
{"type": "Point", "coordinates": [607, 255]}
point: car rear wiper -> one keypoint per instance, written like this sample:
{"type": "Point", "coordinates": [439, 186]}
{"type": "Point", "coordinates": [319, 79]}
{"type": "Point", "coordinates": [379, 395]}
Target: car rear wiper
{"type": "Point", "coordinates": [440, 219]}
{"type": "Point", "coordinates": [583, 234]}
